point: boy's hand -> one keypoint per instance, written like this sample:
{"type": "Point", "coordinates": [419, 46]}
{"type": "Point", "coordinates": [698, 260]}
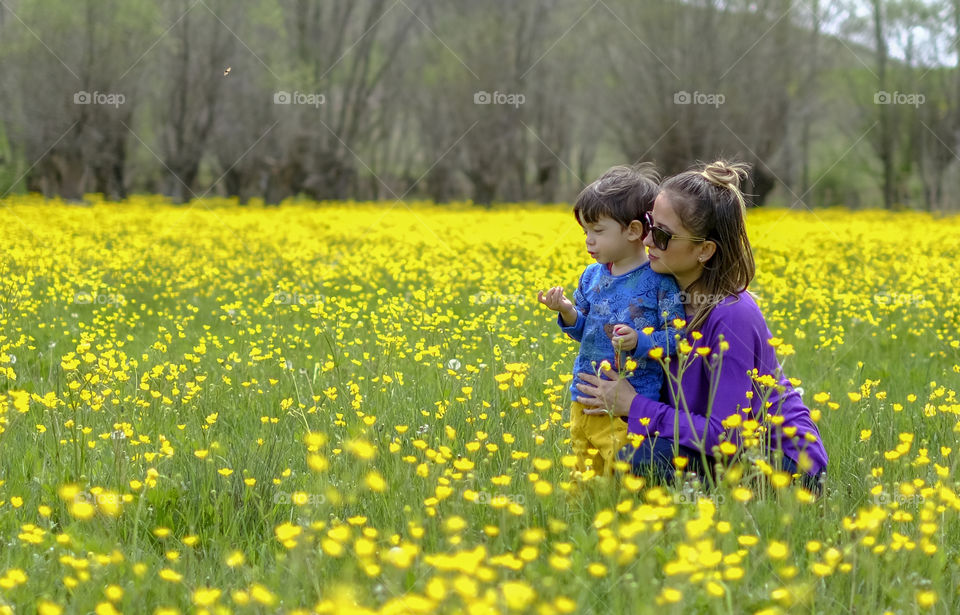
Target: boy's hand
{"type": "Point", "coordinates": [624, 337]}
{"type": "Point", "coordinates": [555, 300]}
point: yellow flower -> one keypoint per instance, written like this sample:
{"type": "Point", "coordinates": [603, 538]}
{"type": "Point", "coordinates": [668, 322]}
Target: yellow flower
{"type": "Point", "coordinates": [777, 550]}
{"type": "Point", "coordinates": [780, 479]}
{"type": "Point", "coordinates": [170, 575]}
{"type": "Point", "coordinates": [375, 482]}
{"type": "Point", "coordinates": [542, 488]}
{"type": "Point", "coordinates": [261, 594]}
{"type": "Point", "coordinates": [205, 596]}
{"type": "Point", "coordinates": [669, 595]}
{"type": "Point", "coordinates": [45, 607]}
{"type": "Point", "coordinates": [318, 463]}
{"type": "Point", "coordinates": [82, 509]}
{"type": "Point", "coordinates": [109, 503]}
{"type": "Point", "coordinates": [287, 533]}
{"type": "Point", "coordinates": [314, 440]}
{"type": "Point", "coordinates": [542, 465]}
{"type": "Point", "coordinates": [518, 595]}
{"type": "Point", "coordinates": [926, 599]}
{"type": "Point", "coordinates": [236, 558]}
{"type": "Point", "coordinates": [361, 449]}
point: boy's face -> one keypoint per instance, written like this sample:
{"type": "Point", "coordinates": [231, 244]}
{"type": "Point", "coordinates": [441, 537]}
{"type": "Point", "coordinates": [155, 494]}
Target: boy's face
{"type": "Point", "coordinates": [607, 241]}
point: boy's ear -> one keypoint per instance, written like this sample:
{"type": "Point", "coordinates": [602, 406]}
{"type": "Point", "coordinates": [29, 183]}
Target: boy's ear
{"type": "Point", "coordinates": [635, 230]}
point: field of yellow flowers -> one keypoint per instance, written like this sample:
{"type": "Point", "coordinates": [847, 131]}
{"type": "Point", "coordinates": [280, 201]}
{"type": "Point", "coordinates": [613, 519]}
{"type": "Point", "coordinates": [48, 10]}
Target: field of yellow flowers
{"type": "Point", "coordinates": [352, 407]}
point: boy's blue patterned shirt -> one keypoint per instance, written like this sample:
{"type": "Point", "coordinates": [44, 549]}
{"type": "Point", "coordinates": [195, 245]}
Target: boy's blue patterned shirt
{"type": "Point", "coordinates": [637, 298]}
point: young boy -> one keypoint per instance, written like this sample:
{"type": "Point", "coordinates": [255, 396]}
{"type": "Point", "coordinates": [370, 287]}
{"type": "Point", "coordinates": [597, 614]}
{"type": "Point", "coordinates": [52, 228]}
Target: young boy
{"type": "Point", "coordinates": [617, 299]}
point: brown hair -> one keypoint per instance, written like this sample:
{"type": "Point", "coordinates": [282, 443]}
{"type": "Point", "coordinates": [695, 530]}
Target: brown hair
{"type": "Point", "coordinates": [710, 204]}
{"type": "Point", "coordinates": [624, 193]}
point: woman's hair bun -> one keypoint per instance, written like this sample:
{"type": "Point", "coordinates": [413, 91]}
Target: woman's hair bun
{"type": "Point", "coordinates": [727, 174]}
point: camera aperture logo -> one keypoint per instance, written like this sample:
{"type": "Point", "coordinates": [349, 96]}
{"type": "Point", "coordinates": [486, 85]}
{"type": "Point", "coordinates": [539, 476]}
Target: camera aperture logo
{"type": "Point", "coordinates": [498, 98]}
{"type": "Point", "coordinates": [314, 100]}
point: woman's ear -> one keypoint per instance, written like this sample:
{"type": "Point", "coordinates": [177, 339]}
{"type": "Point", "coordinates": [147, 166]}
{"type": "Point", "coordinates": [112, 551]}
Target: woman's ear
{"type": "Point", "coordinates": [707, 249]}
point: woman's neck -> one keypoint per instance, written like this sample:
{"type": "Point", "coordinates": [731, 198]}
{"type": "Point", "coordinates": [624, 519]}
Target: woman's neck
{"type": "Point", "coordinates": [694, 296]}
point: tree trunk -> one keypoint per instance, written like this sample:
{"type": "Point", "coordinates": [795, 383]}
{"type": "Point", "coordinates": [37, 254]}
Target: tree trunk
{"type": "Point", "coordinates": [885, 150]}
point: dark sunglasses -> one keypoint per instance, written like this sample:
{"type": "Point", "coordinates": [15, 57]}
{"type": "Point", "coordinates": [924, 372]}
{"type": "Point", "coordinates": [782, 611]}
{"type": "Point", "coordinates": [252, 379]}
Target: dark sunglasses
{"type": "Point", "coordinates": [661, 237]}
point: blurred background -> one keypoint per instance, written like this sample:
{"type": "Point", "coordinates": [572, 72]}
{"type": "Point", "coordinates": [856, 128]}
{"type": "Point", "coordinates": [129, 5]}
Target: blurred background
{"type": "Point", "coordinates": [849, 103]}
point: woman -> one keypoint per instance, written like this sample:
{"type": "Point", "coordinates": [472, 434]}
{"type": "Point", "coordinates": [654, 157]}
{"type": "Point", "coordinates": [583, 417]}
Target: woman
{"type": "Point", "coordinates": [698, 235]}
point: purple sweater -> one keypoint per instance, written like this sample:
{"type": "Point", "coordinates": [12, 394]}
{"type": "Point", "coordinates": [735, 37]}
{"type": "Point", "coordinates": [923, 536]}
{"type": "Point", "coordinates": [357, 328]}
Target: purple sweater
{"type": "Point", "coordinates": [740, 322]}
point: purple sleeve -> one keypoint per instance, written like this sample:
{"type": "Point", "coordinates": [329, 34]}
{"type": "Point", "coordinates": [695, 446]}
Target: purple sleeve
{"type": "Point", "coordinates": [692, 426]}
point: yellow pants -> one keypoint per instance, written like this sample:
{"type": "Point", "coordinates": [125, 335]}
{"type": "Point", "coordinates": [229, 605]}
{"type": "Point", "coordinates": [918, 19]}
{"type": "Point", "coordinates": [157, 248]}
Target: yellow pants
{"type": "Point", "coordinates": [596, 437]}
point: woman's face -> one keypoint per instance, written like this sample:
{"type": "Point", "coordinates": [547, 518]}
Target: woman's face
{"type": "Point", "coordinates": [682, 258]}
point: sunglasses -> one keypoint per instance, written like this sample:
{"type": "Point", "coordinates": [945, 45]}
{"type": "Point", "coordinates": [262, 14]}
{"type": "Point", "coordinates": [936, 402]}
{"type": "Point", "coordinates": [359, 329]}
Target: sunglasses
{"type": "Point", "coordinates": [661, 237]}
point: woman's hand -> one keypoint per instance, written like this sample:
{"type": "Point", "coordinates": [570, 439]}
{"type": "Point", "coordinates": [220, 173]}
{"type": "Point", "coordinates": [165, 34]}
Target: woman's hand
{"type": "Point", "coordinates": [606, 392]}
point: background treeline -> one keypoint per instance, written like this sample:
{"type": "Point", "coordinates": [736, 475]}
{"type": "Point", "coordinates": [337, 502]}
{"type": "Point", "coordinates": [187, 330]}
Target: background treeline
{"type": "Point", "coordinates": [855, 103]}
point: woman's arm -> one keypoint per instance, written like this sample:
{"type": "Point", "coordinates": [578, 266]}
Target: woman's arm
{"type": "Point", "coordinates": [726, 382]}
